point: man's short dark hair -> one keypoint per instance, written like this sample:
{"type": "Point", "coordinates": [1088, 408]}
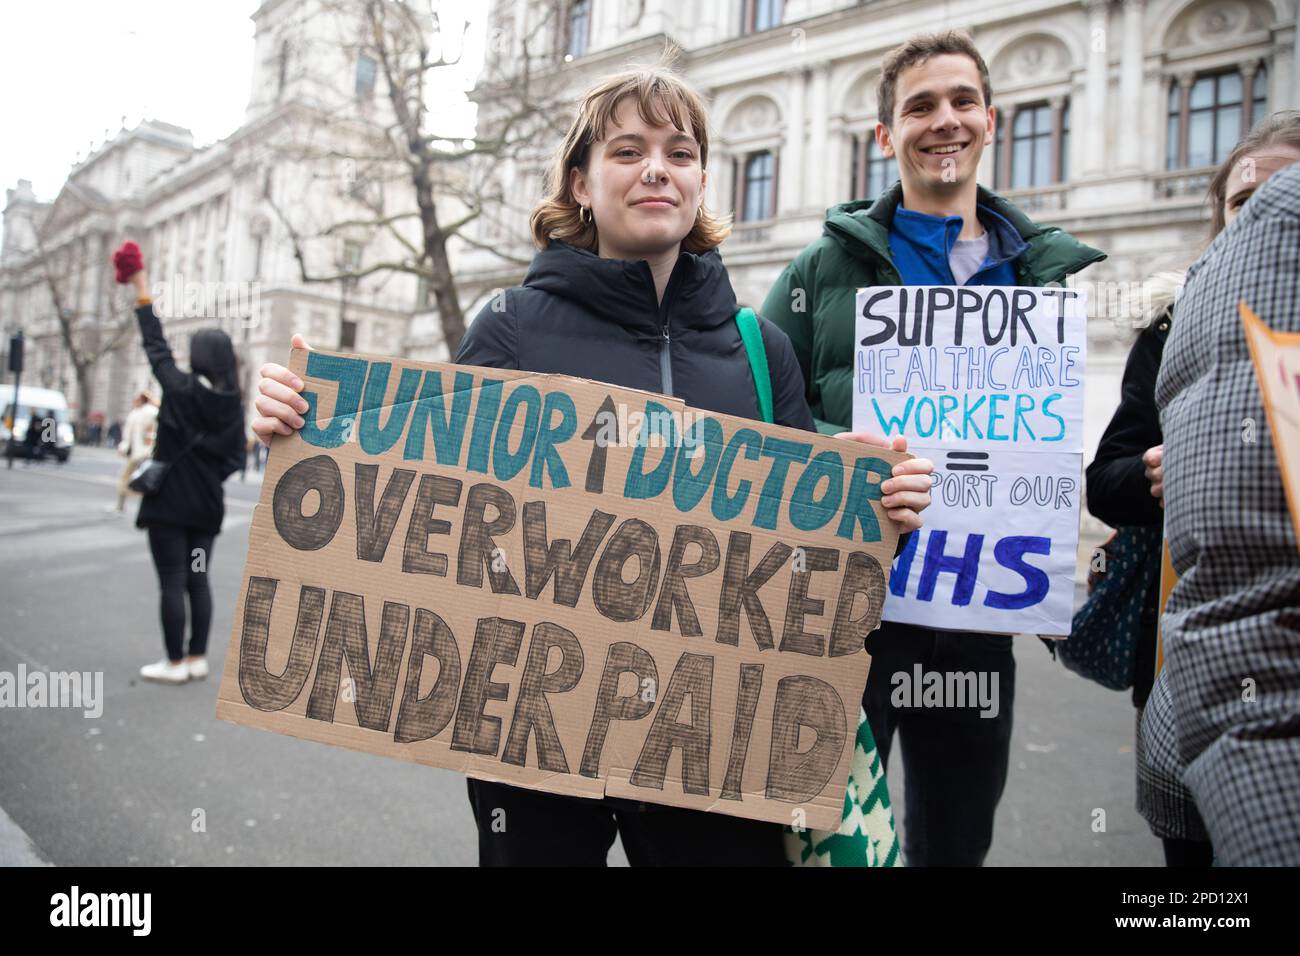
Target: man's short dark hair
{"type": "Point", "coordinates": [918, 49]}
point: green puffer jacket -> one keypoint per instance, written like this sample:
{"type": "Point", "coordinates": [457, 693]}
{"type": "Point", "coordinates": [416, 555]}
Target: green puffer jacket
{"type": "Point", "coordinates": [813, 299]}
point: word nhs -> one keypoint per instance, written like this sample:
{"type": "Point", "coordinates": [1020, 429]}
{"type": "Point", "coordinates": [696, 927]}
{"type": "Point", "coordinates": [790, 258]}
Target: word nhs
{"type": "Point", "coordinates": [964, 565]}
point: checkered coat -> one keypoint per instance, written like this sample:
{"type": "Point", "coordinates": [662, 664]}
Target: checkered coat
{"type": "Point", "coordinates": [1232, 626]}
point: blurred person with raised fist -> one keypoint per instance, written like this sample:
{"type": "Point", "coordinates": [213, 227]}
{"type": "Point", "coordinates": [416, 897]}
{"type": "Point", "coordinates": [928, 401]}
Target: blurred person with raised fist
{"type": "Point", "coordinates": [199, 443]}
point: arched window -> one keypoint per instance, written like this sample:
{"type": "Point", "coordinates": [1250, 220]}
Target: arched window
{"type": "Point", "coordinates": [758, 188]}
{"type": "Point", "coordinates": [1031, 147]}
{"type": "Point", "coordinates": [872, 172]}
{"type": "Point", "coordinates": [1207, 117]}
{"type": "Point", "coordinates": [1039, 149]}
{"type": "Point", "coordinates": [365, 79]}
{"type": "Point", "coordinates": [579, 29]}
{"type": "Point", "coordinates": [759, 15]}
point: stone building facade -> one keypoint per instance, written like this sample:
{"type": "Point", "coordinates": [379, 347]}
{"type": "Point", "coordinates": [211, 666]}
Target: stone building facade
{"type": "Point", "coordinates": [1112, 115]}
{"type": "Point", "coordinates": [214, 225]}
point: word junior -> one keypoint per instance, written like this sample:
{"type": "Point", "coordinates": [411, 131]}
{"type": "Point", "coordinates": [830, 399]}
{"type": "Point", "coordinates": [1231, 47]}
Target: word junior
{"type": "Point", "coordinates": [479, 425]}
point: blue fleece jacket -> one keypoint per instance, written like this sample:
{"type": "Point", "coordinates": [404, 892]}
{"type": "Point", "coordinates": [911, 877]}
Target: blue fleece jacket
{"type": "Point", "coordinates": [921, 244]}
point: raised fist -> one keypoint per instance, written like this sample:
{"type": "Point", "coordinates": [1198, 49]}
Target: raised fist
{"type": "Point", "coordinates": [127, 261]}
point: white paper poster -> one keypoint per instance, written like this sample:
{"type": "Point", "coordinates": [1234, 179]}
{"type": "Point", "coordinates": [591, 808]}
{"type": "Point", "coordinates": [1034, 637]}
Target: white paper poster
{"type": "Point", "coordinates": [987, 382]}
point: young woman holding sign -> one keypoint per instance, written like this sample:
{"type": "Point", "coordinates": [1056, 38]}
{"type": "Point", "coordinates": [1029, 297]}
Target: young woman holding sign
{"type": "Point", "coordinates": [627, 288]}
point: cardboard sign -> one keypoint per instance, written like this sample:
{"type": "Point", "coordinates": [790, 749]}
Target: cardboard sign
{"type": "Point", "coordinates": [563, 585]}
{"type": "Point", "coordinates": [1168, 578]}
{"type": "Point", "coordinates": [1277, 366]}
{"type": "Point", "coordinates": [987, 381]}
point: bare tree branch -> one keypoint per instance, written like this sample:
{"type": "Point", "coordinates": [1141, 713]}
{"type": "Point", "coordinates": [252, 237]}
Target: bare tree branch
{"type": "Point", "coordinates": [86, 344]}
{"type": "Point", "coordinates": [442, 182]}
{"type": "Point", "coordinates": [496, 250]}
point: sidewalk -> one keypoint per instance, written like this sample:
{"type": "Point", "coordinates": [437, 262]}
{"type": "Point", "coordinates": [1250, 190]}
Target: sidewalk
{"type": "Point", "coordinates": [16, 848]}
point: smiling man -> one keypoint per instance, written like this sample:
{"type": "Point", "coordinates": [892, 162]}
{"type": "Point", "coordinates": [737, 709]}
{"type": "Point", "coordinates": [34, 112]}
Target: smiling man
{"type": "Point", "coordinates": [937, 226]}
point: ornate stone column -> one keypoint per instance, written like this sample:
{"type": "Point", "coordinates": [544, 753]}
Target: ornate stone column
{"type": "Point", "coordinates": [1095, 86]}
{"type": "Point", "coordinates": [1248, 71]}
{"type": "Point", "coordinates": [1130, 86]}
{"type": "Point", "coordinates": [820, 179]}
{"type": "Point", "coordinates": [790, 195]}
{"type": "Point", "coordinates": [1185, 81]}
{"type": "Point", "coordinates": [1057, 104]}
{"type": "Point", "coordinates": [1008, 121]}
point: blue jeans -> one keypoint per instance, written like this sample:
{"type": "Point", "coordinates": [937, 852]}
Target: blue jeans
{"type": "Point", "coordinates": [955, 759]}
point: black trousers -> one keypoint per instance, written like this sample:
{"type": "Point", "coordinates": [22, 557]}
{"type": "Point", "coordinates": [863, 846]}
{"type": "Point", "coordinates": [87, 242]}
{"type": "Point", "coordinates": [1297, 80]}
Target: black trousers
{"type": "Point", "coordinates": [1193, 854]}
{"type": "Point", "coordinates": [519, 827]}
{"type": "Point", "coordinates": [181, 556]}
{"type": "Point", "coordinates": [954, 758]}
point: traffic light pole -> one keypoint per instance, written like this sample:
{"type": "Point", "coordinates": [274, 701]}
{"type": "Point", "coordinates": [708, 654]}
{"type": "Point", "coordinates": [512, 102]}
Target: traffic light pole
{"type": "Point", "coordinates": [15, 366]}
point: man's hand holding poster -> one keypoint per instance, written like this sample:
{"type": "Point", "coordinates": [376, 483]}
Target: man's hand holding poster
{"type": "Point", "coordinates": [987, 381]}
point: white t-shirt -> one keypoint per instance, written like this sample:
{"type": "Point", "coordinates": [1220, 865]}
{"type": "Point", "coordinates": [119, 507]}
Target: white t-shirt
{"type": "Point", "coordinates": [967, 256]}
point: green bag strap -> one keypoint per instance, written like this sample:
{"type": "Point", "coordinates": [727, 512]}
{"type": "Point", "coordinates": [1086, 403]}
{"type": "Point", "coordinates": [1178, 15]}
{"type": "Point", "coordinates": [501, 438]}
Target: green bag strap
{"type": "Point", "coordinates": [752, 336]}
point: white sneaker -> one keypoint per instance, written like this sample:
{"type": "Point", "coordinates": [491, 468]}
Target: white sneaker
{"type": "Point", "coordinates": [165, 672]}
{"type": "Point", "coordinates": [198, 668]}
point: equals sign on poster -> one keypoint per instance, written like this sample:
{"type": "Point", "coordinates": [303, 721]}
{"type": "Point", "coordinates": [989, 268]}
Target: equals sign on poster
{"type": "Point", "coordinates": [967, 461]}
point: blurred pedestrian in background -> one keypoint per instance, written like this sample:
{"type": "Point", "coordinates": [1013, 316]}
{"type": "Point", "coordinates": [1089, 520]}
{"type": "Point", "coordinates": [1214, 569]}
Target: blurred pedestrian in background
{"type": "Point", "coordinates": [200, 441]}
{"type": "Point", "coordinates": [49, 435]}
{"type": "Point", "coordinates": [33, 447]}
{"type": "Point", "coordinates": [136, 443]}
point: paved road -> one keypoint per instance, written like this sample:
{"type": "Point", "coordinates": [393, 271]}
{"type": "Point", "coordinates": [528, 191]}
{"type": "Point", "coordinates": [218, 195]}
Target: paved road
{"type": "Point", "coordinates": [132, 786]}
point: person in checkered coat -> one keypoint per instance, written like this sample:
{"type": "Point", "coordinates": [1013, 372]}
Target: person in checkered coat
{"type": "Point", "coordinates": [1231, 629]}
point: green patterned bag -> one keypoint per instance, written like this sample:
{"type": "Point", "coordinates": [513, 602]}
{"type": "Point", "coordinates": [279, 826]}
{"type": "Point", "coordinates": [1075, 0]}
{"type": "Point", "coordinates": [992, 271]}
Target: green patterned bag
{"type": "Point", "coordinates": [866, 836]}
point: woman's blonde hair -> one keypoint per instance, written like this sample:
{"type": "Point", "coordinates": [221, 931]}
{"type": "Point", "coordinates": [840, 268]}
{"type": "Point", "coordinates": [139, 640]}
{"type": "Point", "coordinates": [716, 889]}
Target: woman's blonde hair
{"type": "Point", "coordinates": [1280, 129]}
{"type": "Point", "coordinates": [662, 99]}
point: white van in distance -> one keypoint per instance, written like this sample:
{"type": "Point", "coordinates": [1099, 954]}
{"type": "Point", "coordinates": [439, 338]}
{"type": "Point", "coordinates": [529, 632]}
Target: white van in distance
{"type": "Point", "coordinates": [45, 402]}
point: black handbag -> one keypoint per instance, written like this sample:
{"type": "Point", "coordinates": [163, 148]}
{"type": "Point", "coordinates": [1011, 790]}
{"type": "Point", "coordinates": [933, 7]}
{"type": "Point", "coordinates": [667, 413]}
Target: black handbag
{"type": "Point", "coordinates": [148, 478]}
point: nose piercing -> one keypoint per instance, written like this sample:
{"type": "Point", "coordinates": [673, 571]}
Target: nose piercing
{"type": "Point", "coordinates": [647, 177]}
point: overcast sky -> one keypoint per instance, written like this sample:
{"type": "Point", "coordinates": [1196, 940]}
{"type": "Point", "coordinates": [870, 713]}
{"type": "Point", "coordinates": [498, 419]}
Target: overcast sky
{"type": "Point", "coordinates": [74, 68]}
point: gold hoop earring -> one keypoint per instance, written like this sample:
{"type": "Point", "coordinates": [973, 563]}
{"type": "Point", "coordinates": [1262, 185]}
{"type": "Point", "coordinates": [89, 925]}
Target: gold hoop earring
{"type": "Point", "coordinates": [584, 215]}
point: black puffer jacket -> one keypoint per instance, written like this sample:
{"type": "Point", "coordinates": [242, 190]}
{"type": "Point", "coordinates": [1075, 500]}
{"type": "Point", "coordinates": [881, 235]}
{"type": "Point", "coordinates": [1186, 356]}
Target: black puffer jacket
{"type": "Point", "coordinates": [578, 314]}
{"type": "Point", "coordinates": [1118, 490]}
{"type": "Point", "coordinates": [191, 496]}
